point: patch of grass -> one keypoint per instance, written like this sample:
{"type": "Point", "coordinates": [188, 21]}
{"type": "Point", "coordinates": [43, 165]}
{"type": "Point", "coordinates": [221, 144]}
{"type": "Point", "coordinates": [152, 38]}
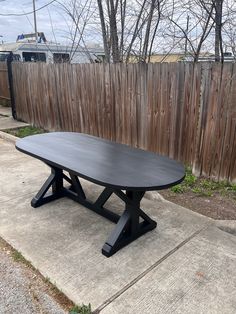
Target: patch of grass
{"type": "Point", "coordinates": [177, 188]}
{"type": "Point", "coordinates": [201, 192]}
{"type": "Point", "coordinates": [209, 184]}
{"type": "Point", "coordinates": [189, 180]}
{"type": "Point", "coordinates": [204, 187]}
{"type": "Point", "coordinates": [18, 257]}
{"type": "Point", "coordinates": [5, 102]}
{"type": "Point", "coordinates": [83, 309]}
{"type": "Point", "coordinates": [196, 190]}
{"type": "Point", "coordinates": [232, 187]}
{"type": "Point", "coordinates": [207, 193]}
{"type": "Point", "coordinates": [188, 170]}
{"type": "Point", "coordinates": [25, 131]}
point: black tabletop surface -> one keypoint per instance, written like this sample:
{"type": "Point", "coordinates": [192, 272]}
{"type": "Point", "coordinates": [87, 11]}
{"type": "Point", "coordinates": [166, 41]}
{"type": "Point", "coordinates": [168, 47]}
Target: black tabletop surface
{"type": "Point", "coordinates": [104, 162]}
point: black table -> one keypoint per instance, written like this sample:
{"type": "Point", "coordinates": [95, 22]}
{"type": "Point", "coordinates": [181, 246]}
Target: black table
{"type": "Point", "coordinates": [115, 166]}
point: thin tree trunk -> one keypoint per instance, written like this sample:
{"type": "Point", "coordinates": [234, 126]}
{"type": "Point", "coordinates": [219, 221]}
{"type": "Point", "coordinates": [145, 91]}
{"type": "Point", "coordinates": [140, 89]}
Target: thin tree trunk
{"type": "Point", "coordinates": [104, 32]}
{"type": "Point", "coordinates": [205, 34]}
{"type": "Point", "coordinates": [148, 29]}
{"type": "Point", "coordinates": [218, 28]}
{"type": "Point", "coordinates": [136, 30]}
{"type": "Point", "coordinates": [122, 15]}
{"type": "Point", "coordinates": [155, 31]}
{"type": "Point", "coordinates": [114, 35]}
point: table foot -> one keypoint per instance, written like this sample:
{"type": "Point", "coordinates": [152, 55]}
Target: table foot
{"type": "Point", "coordinates": [129, 227]}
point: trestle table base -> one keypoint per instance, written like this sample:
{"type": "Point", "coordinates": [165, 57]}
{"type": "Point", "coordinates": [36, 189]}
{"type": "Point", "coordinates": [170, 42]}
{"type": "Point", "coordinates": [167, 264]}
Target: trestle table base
{"type": "Point", "coordinates": [129, 226]}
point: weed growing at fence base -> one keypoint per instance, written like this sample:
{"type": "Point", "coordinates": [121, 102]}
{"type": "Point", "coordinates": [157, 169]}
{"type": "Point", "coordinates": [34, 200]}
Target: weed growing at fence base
{"type": "Point", "coordinates": [207, 197]}
{"type": "Point", "coordinates": [84, 309]}
{"type": "Point", "coordinates": [5, 103]}
{"type": "Point", "coordinates": [25, 131]}
{"type": "Point", "coordinates": [204, 187]}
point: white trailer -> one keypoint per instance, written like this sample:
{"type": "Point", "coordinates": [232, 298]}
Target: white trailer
{"type": "Point", "coordinates": [51, 53]}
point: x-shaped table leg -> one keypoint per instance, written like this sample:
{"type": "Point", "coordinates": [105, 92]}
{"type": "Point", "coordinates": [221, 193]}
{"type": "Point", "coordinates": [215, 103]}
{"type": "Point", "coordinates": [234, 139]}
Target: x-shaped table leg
{"type": "Point", "coordinates": [129, 226]}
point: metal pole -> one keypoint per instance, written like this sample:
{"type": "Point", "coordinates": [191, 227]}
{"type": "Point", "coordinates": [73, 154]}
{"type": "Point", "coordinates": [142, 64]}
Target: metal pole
{"type": "Point", "coordinates": [35, 23]}
{"type": "Point", "coordinates": [10, 82]}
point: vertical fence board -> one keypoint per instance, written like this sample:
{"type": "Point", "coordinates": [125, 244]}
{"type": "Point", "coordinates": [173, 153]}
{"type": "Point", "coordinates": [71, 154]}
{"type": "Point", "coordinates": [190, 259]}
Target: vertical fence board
{"type": "Point", "coordinates": [4, 88]}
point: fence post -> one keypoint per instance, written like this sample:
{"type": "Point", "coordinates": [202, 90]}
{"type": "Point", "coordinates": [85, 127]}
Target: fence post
{"type": "Point", "coordinates": [10, 81]}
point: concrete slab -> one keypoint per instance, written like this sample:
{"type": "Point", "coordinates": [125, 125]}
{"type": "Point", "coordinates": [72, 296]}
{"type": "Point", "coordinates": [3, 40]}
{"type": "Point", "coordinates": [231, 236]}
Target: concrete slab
{"type": "Point", "coordinates": [199, 278]}
{"type": "Point", "coordinates": [10, 123]}
{"type": "Point", "coordinates": [64, 240]}
{"type": "Point", "coordinates": [8, 137]}
{"type": "Point", "coordinates": [227, 226]}
{"type": "Point", "coordinates": [177, 268]}
{"type": "Point", "coordinates": [16, 171]}
{"type": "Point", "coordinates": [5, 111]}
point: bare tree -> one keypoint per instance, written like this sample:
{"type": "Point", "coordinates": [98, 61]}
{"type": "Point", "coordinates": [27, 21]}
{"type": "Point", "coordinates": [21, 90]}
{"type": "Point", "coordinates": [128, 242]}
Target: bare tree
{"type": "Point", "coordinates": [228, 30]}
{"type": "Point", "coordinates": [216, 16]}
{"type": "Point", "coordinates": [129, 29]}
{"type": "Point", "coordinates": [80, 13]}
{"type": "Point", "coordinates": [104, 31]}
{"type": "Point", "coordinates": [218, 30]}
{"type": "Point", "coordinates": [190, 26]}
{"type": "Point", "coordinates": [222, 14]}
{"type": "Point", "coordinates": [134, 30]}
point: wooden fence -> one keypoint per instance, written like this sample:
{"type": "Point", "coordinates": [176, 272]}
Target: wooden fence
{"type": "Point", "coordinates": [4, 89]}
{"type": "Point", "coordinates": [184, 111]}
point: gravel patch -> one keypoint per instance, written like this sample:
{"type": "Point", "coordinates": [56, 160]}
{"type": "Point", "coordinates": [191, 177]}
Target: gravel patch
{"type": "Point", "coordinates": [22, 291]}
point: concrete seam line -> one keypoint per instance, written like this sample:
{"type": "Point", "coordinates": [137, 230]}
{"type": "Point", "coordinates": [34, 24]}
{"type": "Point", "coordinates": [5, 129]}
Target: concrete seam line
{"type": "Point", "coordinates": [149, 269]}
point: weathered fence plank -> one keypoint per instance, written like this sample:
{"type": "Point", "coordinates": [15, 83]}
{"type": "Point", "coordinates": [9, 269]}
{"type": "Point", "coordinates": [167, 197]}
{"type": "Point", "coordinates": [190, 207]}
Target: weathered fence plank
{"type": "Point", "coordinates": [185, 111]}
{"type": "Point", "coordinates": [4, 88]}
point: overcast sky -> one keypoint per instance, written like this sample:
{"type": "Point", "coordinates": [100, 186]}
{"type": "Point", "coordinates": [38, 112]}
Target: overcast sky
{"type": "Point", "coordinates": [55, 24]}
{"type": "Point", "coordinates": [11, 26]}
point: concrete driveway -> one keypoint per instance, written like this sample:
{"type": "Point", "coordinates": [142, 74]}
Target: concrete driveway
{"type": "Point", "coordinates": [186, 265]}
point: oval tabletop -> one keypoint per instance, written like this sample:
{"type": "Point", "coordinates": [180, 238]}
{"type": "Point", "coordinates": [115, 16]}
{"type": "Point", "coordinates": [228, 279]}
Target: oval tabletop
{"type": "Point", "coordinates": [104, 162]}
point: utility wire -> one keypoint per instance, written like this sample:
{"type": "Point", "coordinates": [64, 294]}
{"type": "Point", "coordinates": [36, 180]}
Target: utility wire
{"type": "Point", "coordinates": [27, 13]}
